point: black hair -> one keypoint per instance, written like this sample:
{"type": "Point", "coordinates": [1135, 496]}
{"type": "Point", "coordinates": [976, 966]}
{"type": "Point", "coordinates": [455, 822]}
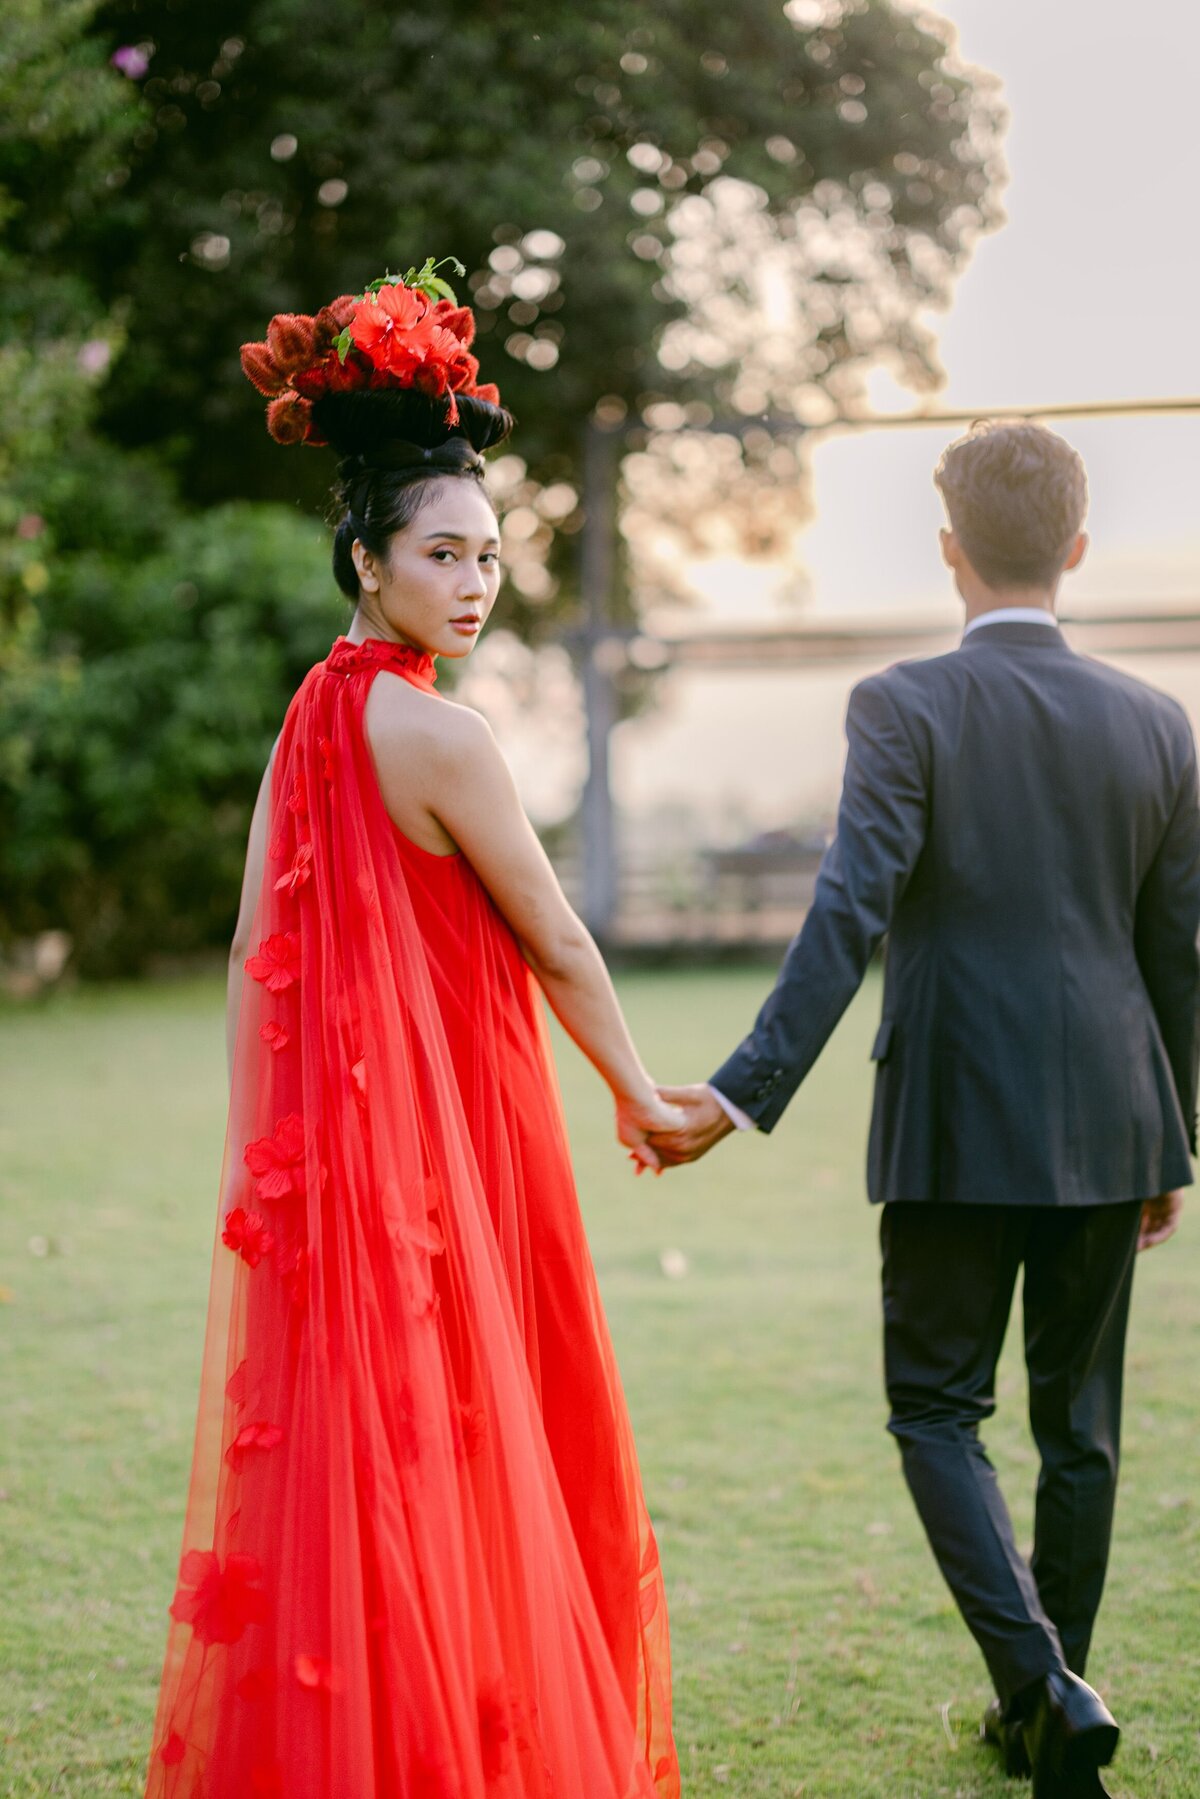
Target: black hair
{"type": "Point", "coordinates": [394, 444]}
{"type": "Point", "coordinates": [1016, 494]}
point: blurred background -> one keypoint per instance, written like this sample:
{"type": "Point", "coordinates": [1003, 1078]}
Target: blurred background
{"type": "Point", "coordinates": [740, 273]}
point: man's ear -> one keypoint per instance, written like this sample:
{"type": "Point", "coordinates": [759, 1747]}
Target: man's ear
{"type": "Point", "coordinates": [1077, 552]}
{"type": "Point", "coordinates": [952, 554]}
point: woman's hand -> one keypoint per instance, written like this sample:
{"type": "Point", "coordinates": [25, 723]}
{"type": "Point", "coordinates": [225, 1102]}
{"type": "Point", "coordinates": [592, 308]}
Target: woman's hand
{"type": "Point", "coordinates": [637, 1119]}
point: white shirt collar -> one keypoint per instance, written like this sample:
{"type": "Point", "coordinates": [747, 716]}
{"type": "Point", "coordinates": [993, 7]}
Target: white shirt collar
{"type": "Point", "coordinates": [1013, 615]}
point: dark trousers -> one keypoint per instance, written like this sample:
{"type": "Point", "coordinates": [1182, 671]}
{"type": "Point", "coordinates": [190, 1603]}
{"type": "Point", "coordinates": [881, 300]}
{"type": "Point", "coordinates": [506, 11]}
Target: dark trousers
{"type": "Point", "coordinates": [949, 1272]}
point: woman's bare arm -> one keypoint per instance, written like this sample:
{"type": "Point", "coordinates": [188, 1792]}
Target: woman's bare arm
{"type": "Point", "coordinates": [256, 852]}
{"type": "Point", "coordinates": [473, 797]}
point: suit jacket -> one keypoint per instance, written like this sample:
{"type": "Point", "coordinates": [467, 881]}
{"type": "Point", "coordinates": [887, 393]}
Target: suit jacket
{"type": "Point", "coordinates": [1023, 822]}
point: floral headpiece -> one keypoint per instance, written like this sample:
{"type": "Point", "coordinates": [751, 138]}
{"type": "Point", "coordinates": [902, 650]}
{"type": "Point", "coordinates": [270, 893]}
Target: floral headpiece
{"type": "Point", "coordinates": [401, 331]}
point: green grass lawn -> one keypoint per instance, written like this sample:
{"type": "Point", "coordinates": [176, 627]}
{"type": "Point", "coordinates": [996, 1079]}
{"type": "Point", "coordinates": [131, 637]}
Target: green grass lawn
{"type": "Point", "coordinates": [816, 1651]}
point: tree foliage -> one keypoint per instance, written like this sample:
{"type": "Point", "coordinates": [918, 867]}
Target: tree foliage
{"type": "Point", "coordinates": [620, 181]}
{"type": "Point", "coordinates": [668, 216]}
{"type": "Point", "coordinates": [146, 651]}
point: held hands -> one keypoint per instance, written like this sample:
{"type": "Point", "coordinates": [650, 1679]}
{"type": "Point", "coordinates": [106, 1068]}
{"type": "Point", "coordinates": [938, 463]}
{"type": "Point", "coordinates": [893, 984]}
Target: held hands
{"type": "Point", "coordinates": [703, 1122]}
{"type": "Point", "coordinates": [638, 1120]}
{"type": "Point", "coordinates": [1160, 1219]}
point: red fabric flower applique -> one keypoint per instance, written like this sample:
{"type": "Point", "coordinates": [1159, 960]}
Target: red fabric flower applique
{"type": "Point", "coordinates": [274, 1035]}
{"type": "Point", "coordinates": [318, 1675]}
{"type": "Point", "coordinates": [299, 872]}
{"type": "Point", "coordinates": [219, 1600]}
{"type": "Point", "coordinates": [327, 758]}
{"type": "Point", "coordinates": [235, 1386]}
{"type": "Point", "coordinates": [470, 1431]}
{"type": "Point", "coordinates": [277, 964]}
{"type": "Point", "coordinates": [277, 1162]}
{"type": "Point", "coordinates": [298, 803]}
{"type": "Point", "coordinates": [259, 1435]}
{"type": "Point", "coordinates": [255, 1686]}
{"type": "Point", "coordinates": [247, 1234]}
{"type": "Point", "coordinates": [493, 1734]}
{"type": "Point", "coordinates": [173, 1750]}
{"type": "Point", "coordinates": [295, 1278]}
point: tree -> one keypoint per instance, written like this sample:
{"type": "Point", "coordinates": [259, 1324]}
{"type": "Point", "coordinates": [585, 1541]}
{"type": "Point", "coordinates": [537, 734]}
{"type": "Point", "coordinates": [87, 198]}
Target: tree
{"type": "Point", "coordinates": [626, 188]}
{"type": "Point", "coordinates": [146, 654]}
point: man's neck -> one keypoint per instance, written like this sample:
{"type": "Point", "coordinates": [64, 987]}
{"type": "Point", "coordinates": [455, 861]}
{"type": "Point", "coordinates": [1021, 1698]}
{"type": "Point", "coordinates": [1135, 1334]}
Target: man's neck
{"type": "Point", "coordinates": [980, 600]}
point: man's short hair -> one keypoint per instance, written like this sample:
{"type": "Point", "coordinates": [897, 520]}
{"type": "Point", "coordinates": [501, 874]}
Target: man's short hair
{"type": "Point", "coordinates": [1016, 494]}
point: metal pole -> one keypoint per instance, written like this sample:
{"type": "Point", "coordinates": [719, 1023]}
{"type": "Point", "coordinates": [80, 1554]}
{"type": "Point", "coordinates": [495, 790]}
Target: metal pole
{"type": "Point", "coordinates": [597, 573]}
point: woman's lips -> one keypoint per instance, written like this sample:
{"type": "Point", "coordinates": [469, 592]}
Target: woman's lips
{"type": "Point", "coordinates": [468, 626]}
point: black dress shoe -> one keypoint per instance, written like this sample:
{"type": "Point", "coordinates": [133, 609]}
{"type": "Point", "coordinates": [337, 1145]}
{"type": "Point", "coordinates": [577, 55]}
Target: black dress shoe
{"type": "Point", "coordinates": [1005, 1734]}
{"type": "Point", "coordinates": [1070, 1734]}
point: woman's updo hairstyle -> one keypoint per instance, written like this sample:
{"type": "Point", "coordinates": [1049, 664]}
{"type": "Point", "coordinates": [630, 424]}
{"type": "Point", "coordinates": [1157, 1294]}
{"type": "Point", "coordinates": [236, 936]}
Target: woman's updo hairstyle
{"type": "Point", "coordinates": [387, 379]}
{"type": "Point", "coordinates": [394, 445]}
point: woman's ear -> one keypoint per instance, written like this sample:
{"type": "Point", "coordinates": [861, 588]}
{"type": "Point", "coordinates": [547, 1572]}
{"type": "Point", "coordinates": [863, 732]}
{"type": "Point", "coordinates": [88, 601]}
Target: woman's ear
{"type": "Point", "coordinates": [365, 567]}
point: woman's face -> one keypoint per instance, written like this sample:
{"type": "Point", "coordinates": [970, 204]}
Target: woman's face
{"type": "Point", "coordinates": [441, 576]}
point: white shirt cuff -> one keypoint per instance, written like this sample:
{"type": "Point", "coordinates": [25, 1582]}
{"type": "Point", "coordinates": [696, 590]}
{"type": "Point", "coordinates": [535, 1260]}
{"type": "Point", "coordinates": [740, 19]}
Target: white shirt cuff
{"type": "Point", "coordinates": [734, 1113]}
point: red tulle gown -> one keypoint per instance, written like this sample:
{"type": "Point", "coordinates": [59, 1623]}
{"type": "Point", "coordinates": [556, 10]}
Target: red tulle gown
{"type": "Point", "coordinates": [417, 1562]}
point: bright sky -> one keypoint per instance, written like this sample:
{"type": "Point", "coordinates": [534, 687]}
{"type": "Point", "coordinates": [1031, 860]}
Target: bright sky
{"type": "Point", "coordinates": [1090, 291]}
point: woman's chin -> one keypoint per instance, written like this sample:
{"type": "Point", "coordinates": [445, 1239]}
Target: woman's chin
{"type": "Point", "coordinates": [455, 645]}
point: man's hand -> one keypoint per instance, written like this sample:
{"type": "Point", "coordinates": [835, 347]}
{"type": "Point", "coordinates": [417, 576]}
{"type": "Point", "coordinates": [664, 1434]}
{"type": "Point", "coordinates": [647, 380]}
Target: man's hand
{"type": "Point", "coordinates": [1160, 1219]}
{"type": "Point", "coordinates": [705, 1123]}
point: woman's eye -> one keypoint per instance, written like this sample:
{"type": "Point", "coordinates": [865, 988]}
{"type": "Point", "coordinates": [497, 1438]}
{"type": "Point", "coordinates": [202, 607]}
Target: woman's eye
{"type": "Point", "coordinates": [439, 554]}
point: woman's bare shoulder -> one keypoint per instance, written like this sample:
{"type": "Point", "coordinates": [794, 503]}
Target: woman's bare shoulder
{"type": "Point", "coordinates": [405, 720]}
{"type": "Point", "coordinates": [422, 744]}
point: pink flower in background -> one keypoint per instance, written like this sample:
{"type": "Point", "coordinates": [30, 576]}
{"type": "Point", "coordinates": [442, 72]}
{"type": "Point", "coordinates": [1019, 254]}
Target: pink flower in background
{"type": "Point", "coordinates": [94, 356]}
{"type": "Point", "coordinates": [132, 60]}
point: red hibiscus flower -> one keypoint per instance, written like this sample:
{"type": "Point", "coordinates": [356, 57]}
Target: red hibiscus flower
{"type": "Point", "coordinates": [459, 319]}
{"type": "Point", "coordinates": [274, 1035]}
{"type": "Point", "coordinates": [383, 322]}
{"type": "Point", "coordinates": [247, 1234]}
{"type": "Point", "coordinates": [219, 1600]}
{"type": "Point", "coordinates": [259, 1435]}
{"type": "Point", "coordinates": [258, 366]}
{"type": "Point", "coordinates": [289, 418]}
{"type": "Point", "coordinates": [299, 872]}
{"type": "Point", "coordinates": [277, 963]}
{"type": "Point", "coordinates": [485, 390]}
{"type": "Point", "coordinates": [277, 1162]}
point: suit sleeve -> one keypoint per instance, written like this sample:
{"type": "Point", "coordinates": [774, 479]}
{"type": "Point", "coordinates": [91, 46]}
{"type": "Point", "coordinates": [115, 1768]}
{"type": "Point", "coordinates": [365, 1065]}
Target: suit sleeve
{"type": "Point", "coordinates": [1168, 918]}
{"type": "Point", "coordinates": [880, 833]}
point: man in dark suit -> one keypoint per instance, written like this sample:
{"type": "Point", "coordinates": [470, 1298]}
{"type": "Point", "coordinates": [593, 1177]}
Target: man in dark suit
{"type": "Point", "coordinates": [1023, 824]}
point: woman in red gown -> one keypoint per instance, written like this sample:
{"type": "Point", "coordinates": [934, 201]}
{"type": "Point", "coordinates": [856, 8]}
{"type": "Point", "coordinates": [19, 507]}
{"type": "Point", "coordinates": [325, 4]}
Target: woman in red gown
{"type": "Point", "coordinates": [417, 1562]}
